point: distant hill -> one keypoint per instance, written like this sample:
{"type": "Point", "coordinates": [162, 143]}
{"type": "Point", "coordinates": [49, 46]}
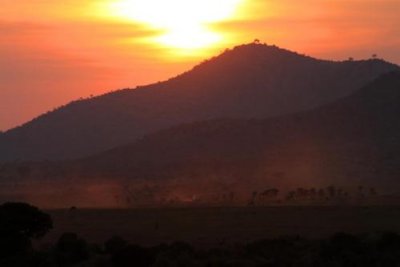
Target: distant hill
{"type": "Point", "coordinates": [355, 140]}
{"type": "Point", "coordinates": [252, 81]}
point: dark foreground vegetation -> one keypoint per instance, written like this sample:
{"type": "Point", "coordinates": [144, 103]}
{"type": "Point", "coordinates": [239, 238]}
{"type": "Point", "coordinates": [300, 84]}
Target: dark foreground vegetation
{"type": "Point", "coordinates": [21, 223]}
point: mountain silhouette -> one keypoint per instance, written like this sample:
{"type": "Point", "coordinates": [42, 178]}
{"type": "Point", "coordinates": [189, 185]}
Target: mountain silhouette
{"type": "Point", "coordinates": [251, 81]}
{"type": "Point", "coordinates": [352, 142]}
{"type": "Point", "coordinates": [355, 140]}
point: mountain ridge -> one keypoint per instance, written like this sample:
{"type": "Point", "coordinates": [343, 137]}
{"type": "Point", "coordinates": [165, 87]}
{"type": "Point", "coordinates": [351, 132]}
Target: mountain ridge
{"type": "Point", "coordinates": [351, 143]}
{"type": "Point", "coordinates": [249, 81]}
{"type": "Point", "coordinates": [352, 129]}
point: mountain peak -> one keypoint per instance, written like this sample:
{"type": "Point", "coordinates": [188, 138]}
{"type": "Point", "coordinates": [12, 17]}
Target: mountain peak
{"type": "Point", "coordinates": [253, 54]}
{"type": "Point", "coordinates": [257, 49]}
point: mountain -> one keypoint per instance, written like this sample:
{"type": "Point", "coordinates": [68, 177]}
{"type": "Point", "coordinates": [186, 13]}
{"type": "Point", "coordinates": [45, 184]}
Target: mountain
{"type": "Point", "coordinates": [252, 81]}
{"type": "Point", "coordinates": [354, 140]}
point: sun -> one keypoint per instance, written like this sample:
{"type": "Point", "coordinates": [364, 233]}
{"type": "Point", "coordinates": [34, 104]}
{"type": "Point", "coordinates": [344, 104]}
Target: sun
{"type": "Point", "coordinates": [182, 24]}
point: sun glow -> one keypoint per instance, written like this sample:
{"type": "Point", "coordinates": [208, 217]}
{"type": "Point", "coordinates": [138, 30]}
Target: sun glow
{"type": "Point", "coordinates": [182, 24]}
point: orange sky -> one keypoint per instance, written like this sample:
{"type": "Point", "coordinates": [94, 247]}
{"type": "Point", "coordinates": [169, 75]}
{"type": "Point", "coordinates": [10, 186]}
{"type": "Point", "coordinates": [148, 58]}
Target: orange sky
{"type": "Point", "coordinates": [52, 52]}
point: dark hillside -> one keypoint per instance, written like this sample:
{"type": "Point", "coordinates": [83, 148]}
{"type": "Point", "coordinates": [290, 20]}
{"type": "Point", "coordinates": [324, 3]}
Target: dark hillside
{"type": "Point", "coordinates": [353, 143]}
{"type": "Point", "coordinates": [356, 139]}
{"type": "Point", "coordinates": [248, 82]}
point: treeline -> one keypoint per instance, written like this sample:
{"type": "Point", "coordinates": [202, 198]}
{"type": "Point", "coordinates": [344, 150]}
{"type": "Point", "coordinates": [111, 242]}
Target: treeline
{"type": "Point", "coordinates": [314, 195]}
{"type": "Point", "coordinates": [340, 249]}
{"type": "Point", "coordinates": [167, 195]}
{"type": "Point", "coordinates": [331, 193]}
{"type": "Point", "coordinates": [23, 223]}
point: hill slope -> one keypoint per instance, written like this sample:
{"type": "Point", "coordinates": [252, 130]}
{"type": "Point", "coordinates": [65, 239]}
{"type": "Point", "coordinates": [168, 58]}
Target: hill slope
{"type": "Point", "coordinates": [250, 81]}
{"type": "Point", "coordinates": [354, 140]}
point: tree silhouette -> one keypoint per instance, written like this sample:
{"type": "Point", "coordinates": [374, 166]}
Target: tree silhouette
{"type": "Point", "coordinates": [331, 191]}
{"type": "Point", "coordinates": [321, 193]}
{"type": "Point", "coordinates": [301, 193]}
{"type": "Point", "coordinates": [268, 194]}
{"type": "Point", "coordinates": [252, 201]}
{"type": "Point", "coordinates": [291, 195]}
{"type": "Point", "coordinates": [19, 224]}
{"type": "Point", "coordinates": [24, 219]}
{"type": "Point", "coordinates": [274, 192]}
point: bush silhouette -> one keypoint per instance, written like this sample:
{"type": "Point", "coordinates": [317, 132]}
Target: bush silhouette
{"type": "Point", "coordinates": [115, 244]}
{"type": "Point", "coordinates": [70, 249]}
{"type": "Point", "coordinates": [176, 254]}
{"type": "Point", "coordinates": [281, 251]}
{"type": "Point", "coordinates": [389, 242]}
{"type": "Point", "coordinates": [346, 250]}
{"type": "Point", "coordinates": [133, 255]}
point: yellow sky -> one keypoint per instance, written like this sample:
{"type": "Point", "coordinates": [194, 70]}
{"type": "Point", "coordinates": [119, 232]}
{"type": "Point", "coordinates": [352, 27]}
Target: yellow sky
{"type": "Point", "coordinates": [52, 52]}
